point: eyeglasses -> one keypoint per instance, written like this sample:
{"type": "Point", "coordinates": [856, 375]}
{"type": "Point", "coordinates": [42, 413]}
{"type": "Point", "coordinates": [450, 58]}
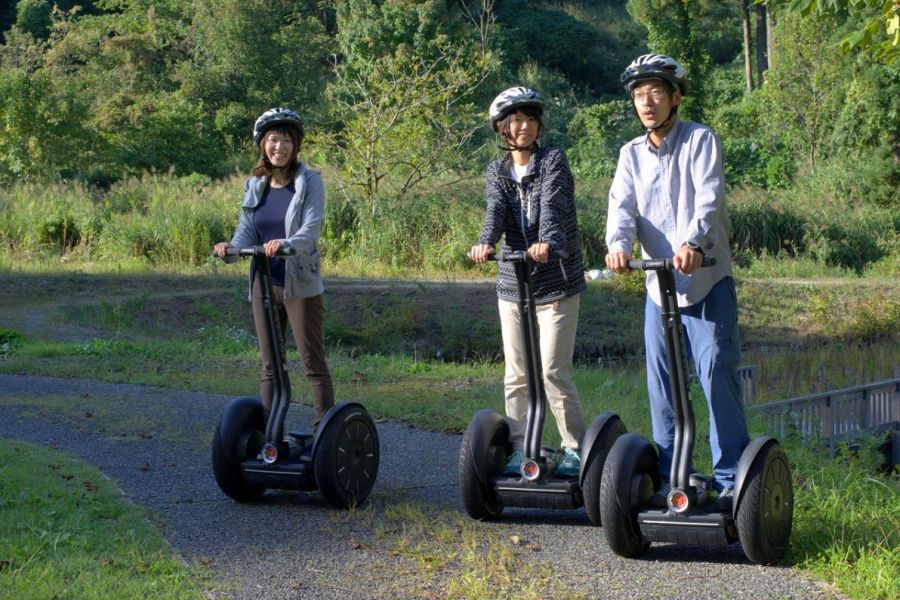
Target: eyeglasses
{"type": "Point", "coordinates": [655, 94]}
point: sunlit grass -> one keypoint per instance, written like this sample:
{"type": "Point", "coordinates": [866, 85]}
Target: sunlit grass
{"type": "Point", "coordinates": [68, 533]}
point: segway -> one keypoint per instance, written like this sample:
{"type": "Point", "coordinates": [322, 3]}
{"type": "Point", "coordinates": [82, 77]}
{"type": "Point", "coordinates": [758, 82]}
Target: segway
{"type": "Point", "coordinates": [763, 502]}
{"type": "Point", "coordinates": [486, 448]}
{"type": "Point", "coordinates": [248, 456]}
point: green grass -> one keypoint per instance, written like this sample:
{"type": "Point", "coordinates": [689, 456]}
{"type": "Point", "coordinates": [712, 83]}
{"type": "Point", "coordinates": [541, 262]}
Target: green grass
{"type": "Point", "coordinates": [68, 533]}
{"type": "Point", "coordinates": [847, 521]}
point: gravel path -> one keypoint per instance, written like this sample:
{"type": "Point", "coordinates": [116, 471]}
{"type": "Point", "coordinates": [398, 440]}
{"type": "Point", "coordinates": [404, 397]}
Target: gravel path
{"type": "Point", "coordinates": [154, 443]}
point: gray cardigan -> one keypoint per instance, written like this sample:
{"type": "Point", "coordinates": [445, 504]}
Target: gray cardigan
{"type": "Point", "coordinates": [303, 277]}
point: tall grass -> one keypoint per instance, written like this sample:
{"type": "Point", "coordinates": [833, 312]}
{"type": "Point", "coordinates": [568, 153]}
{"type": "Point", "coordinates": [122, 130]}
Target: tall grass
{"type": "Point", "coordinates": [165, 220]}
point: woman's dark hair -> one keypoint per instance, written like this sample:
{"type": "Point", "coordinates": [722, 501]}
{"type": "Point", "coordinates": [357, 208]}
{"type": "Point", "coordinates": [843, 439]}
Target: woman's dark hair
{"type": "Point", "coordinates": [264, 168]}
{"type": "Point", "coordinates": [534, 112]}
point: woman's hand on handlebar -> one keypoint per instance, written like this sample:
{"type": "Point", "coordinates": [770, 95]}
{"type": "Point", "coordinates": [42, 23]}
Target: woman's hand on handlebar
{"type": "Point", "coordinates": [539, 252]}
{"type": "Point", "coordinates": [687, 260]}
{"type": "Point", "coordinates": [272, 247]}
{"type": "Point", "coordinates": [617, 262]}
{"type": "Point", "coordinates": [221, 248]}
{"type": "Point", "coordinates": [481, 253]}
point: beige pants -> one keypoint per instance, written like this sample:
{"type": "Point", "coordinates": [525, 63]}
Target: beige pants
{"type": "Point", "coordinates": [557, 323]}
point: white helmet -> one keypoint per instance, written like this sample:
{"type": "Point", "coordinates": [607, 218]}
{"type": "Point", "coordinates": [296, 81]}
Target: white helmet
{"type": "Point", "coordinates": [655, 66]}
{"type": "Point", "coordinates": [514, 97]}
{"type": "Point", "coordinates": [273, 118]}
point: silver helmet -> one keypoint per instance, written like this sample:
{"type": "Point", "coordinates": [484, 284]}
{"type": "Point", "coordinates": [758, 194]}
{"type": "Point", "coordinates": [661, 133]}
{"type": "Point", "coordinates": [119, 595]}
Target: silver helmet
{"type": "Point", "coordinates": [508, 100]}
{"type": "Point", "coordinates": [655, 66]}
{"type": "Point", "coordinates": [273, 118]}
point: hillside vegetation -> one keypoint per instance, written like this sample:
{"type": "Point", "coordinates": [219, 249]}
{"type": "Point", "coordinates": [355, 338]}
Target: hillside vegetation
{"type": "Point", "coordinates": [126, 122]}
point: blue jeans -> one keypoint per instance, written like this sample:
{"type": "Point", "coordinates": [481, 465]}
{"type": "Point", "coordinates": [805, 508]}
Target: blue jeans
{"type": "Point", "coordinates": [711, 338]}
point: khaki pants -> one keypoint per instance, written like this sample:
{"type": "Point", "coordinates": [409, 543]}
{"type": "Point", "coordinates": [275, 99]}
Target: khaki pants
{"type": "Point", "coordinates": [307, 319]}
{"type": "Point", "coordinates": [557, 323]}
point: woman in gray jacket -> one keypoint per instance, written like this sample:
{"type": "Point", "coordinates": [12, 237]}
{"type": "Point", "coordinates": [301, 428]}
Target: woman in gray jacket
{"type": "Point", "coordinates": [284, 204]}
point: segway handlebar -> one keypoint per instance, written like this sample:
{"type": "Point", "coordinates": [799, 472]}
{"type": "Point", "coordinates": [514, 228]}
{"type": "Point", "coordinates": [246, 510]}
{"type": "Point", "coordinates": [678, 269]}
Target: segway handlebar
{"type": "Point", "coordinates": [660, 264]}
{"type": "Point", "coordinates": [522, 256]}
{"type": "Point", "coordinates": [258, 251]}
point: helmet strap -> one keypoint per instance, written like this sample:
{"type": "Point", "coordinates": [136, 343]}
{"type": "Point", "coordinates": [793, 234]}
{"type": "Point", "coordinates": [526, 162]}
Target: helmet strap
{"type": "Point", "coordinates": [672, 112]}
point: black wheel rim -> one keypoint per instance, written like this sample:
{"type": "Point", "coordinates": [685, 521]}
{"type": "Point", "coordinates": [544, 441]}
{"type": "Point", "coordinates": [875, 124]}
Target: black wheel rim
{"type": "Point", "coordinates": [777, 502]}
{"type": "Point", "coordinates": [357, 458]}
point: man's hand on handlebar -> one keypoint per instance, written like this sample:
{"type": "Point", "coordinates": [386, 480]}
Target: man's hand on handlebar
{"type": "Point", "coordinates": [687, 260]}
{"type": "Point", "coordinates": [617, 262]}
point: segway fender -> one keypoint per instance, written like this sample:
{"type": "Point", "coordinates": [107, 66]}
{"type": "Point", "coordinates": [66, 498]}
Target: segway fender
{"type": "Point", "coordinates": [749, 455]}
{"type": "Point", "coordinates": [335, 413]}
{"type": "Point", "coordinates": [238, 413]}
{"type": "Point", "coordinates": [485, 426]}
{"type": "Point", "coordinates": [593, 433]}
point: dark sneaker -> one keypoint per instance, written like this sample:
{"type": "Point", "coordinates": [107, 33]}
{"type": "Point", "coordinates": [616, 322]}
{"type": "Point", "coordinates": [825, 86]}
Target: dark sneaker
{"type": "Point", "coordinates": [514, 463]}
{"type": "Point", "coordinates": [725, 501]}
{"type": "Point", "coordinates": [659, 498]}
{"type": "Point", "coordinates": [570, 465]}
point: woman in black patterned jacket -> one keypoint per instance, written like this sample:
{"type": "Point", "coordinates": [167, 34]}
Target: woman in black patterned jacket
{"type": "Point", "coordinates": [531, 203]}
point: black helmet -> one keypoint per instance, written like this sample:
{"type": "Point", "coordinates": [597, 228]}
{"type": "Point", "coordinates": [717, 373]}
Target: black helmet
{"type": "Point", "coordinates": [273, 118]}
{"type": "Point", "coordinates": [514, 97]}
{"type": "Point", "coordinates": [655, 66]}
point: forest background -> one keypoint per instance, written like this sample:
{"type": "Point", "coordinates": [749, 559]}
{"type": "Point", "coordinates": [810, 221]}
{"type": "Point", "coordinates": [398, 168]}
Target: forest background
{"type": "Point", "coordinates": [125, 124]}
{"type": "Point", "coordinates": [125, 137]}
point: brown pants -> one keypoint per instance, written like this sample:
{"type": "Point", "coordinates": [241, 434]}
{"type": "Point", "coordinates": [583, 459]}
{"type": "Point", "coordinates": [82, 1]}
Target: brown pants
{"type": "Point", "coordinates": [307, 319]}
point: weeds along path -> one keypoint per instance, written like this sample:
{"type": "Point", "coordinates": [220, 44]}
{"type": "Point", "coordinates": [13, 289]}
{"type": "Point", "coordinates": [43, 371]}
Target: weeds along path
{"type": "Point", "coordinates": [410, 540]}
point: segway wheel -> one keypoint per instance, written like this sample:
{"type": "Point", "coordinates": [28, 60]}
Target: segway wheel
{"type": "Point", "coordinates": [478, 495]}
{"type": "Point", "coordinates": [627, 484]}
{"type": "Point", "coordinates": [238, 437]}
{"type": "Point", "coordinates": [766, 506]}
{"type": "Point", "coordinates": [347, 457]}
{"type": "Point", "coordinates": [593, 468]}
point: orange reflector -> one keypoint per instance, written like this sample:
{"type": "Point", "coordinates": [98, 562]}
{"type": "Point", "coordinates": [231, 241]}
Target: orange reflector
{"type": "Point", "coordinates": [271, 454]}
{"type": "Point", "coordinates": [678, 501]}
{"type": "Point", "coordinates": [530, 469]}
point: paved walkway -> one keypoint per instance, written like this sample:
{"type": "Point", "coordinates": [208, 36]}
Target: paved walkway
{"type": "Point", "coordinates": [155, 443]}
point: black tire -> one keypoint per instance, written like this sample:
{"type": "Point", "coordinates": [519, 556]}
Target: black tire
{"type": "Point", "coordinates": [593, 469]}
{"type": "Point", "coordinates": [627, 479]}
{"type": "Point", "coordinates": [347, 458]}
{"type": "Point", "coordinates": [237, 438]}
{"type": "Point", "coordinates": [766, 506]}
{"type": "Point", "coordinates": [479, 498]}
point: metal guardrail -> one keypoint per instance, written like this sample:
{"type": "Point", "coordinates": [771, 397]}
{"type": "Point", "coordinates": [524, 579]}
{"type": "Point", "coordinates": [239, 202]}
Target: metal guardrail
{"type": "Point", "coordinates": [835, 414]}
{"type": "Point", "coordinates": [747, 375]}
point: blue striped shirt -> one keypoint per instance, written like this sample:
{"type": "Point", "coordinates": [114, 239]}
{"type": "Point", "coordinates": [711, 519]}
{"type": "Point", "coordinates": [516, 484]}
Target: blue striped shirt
{"type": "Point", "coordinates": [668, 196]}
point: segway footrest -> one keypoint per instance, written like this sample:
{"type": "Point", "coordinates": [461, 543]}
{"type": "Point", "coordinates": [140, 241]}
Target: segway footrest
{"type": "Point", "coordinates": [514, 491]}
{"type": "Point", "coordinates": [284, 476]}
{"type": "Point", "coordinates": [702, 529]}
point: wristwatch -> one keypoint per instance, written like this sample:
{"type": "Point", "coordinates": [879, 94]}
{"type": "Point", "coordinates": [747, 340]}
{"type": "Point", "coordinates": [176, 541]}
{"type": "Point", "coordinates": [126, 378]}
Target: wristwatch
{"type": "Point", "coordinates": [695, 247]}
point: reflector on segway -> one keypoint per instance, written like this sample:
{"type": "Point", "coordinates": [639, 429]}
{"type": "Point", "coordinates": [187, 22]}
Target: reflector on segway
{"type": "Point", "coordinates": [678, 501]}
{"type": "Point", "coordinates": [531, 470]}
{"type": "Point", "coordinates": [270, 454]}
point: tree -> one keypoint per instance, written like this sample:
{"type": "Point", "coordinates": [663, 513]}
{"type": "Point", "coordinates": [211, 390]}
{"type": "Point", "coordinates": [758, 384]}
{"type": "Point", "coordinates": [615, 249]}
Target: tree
{"type": "Point", "coordinates": [806, 87]}
{"type": "Point", "coordinates": [670, 31]}
{"type": "Point", "coordinates": [250, 55]}
{"type": "Point", "coordinates": [879, 33]}
{"type": "Point", "coordinates": [401, 95]}
{"type": "Point", "coordinates": [762, 45]}
{"type": "Point", "coordinates": [748, 54]}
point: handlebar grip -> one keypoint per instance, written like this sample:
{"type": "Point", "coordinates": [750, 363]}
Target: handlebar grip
{"type": "Point", "coordinates": [522, 255]}
{"type": "Point", "coordinates": [259, 251]}
{"type": "Point", "coordinates": [659, 264]}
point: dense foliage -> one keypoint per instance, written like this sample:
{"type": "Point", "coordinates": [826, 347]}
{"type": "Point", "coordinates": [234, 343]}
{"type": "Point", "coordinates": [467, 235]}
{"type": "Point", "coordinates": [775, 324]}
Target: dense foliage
{"type": "Point", "coordinates": [394, 92]}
